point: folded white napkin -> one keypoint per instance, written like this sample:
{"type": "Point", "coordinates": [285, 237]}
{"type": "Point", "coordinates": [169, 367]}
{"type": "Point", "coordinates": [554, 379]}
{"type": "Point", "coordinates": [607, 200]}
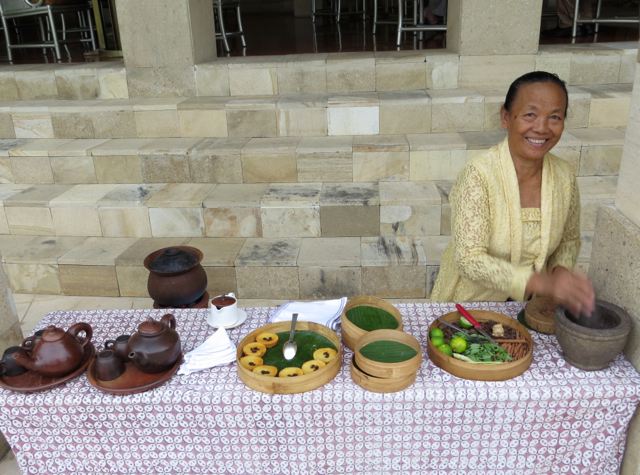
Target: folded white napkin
{"type": "Point", "coordinates": [325, 312]}
{"type": "Point", "coordinates": [217, 350]}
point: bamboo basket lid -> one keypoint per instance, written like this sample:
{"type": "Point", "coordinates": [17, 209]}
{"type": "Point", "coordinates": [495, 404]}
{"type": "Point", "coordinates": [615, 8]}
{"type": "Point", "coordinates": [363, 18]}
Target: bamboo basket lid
{"type": "Point", "coordinates": [378, 369]}
{"type": "Point", "coordinates": [352, 333]}
{"type": "Point", "coordinates": [380, 385]}
{"type": "Point", "coordinates": [540, 314]}
{"type": "Point", "coordinates": [479, 372]}
{"type": "Point", "coordinates": [299, 384]}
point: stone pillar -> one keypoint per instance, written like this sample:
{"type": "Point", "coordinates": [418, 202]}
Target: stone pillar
{"type": "Point", "coordinates": [486, 27]}
{"type": "Point", "coordinates": [162, 40]}
{"type": "Point", "coordinates": [10, 332]}
{"type": "Point", "coordinates": [497, 40]}
{"type": "Point", "coordinates": [615, 258]}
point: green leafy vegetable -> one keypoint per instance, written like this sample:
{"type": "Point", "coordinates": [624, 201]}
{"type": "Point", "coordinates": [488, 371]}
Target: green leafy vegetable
{"type": "Point", "coordinates": [371, 318]}
{"type": "Point", "coordinates": [484, 352]}
{"type": "Point", "coordinates": [307, 342]}
{"type": "Point", "coordinates": [388, 351]}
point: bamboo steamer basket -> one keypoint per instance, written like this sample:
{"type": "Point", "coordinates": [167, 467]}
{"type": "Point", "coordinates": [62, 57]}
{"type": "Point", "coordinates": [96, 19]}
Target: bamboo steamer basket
{"type": "Point", "coordinates": [540, 314]}
{"type": "Point", "coordinates": [380, 385]}
{"type": "Point", "coordinates": [480, 372]}
{"type": "Point", "coordinates": [299, 384]}
{"type": "Point", "coordinates": [352, 333]}
{"type": "Point", "coordinates": [377, 369]}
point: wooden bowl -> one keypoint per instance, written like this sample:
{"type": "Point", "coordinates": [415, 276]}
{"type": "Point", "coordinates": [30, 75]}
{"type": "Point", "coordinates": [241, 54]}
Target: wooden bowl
{"type": "Point", "coordinates": [380, 385]}
{"type": "Point", "coordinates": [299, 384]}
{"type": "Point", "coordinates": [402, 369]}
{"type": "Point", "coordinates": [479, 372]}
{"type": "Point", "coordinates": [352, 333]}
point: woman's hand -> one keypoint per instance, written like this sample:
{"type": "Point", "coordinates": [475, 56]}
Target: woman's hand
{"type": "Point", "coordinates": [572, 291]}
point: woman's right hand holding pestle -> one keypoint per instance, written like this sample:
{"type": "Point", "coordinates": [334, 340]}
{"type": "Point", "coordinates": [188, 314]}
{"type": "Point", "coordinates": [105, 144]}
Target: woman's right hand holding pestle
{"type": "Point", "coordinates": [571, 290]}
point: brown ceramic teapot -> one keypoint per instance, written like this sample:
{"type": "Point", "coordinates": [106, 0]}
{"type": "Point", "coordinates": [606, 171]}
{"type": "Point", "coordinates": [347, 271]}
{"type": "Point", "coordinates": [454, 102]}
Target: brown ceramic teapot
{"type": "Point", "coordinates": [57, 353]}
{"type": "Point", "coordinates": [155, 347]}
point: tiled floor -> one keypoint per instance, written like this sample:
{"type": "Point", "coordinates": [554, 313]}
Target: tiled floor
{"type": "Point", "coordinates": [32, 308]}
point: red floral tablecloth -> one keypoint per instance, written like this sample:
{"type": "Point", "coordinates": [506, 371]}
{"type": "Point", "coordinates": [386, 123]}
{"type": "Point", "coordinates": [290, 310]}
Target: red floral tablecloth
{"type": "Point", "coordinates": [552, 419]}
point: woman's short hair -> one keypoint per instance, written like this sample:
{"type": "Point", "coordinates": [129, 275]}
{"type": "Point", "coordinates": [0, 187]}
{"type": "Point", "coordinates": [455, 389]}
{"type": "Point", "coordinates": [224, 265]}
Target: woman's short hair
{"type": "Point", "coordinates": [531, 78]}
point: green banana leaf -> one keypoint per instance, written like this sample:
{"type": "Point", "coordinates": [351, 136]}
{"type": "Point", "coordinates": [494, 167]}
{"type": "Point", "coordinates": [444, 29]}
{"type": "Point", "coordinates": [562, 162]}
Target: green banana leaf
{"type": "Point", "coordinates": [388, 351]}
{"type": "Point", "coordinates": [307, 342]}
{"type": "Point", "coordinates": [371, 318]}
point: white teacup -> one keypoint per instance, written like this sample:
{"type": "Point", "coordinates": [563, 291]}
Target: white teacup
{"type": "Point", "coordinates": [225, 316]}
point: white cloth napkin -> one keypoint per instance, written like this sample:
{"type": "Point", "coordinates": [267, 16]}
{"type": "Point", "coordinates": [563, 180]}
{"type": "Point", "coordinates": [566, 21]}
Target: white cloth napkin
{"type": "Point", "coordinates": [325, 312]}
{"type": "Point", "coordinates": [217, 350]}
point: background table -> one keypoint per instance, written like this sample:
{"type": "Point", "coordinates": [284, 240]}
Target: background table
{"type": "Point", "coordinates": [552, 419]}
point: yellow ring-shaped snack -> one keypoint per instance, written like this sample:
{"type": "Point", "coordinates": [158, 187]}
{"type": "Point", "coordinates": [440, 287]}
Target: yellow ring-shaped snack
{"type": "Point", "coordinates": [254, 349]}
{"type": "Point", "coordinates": [311, 366]}
{"type": "Point", "coordinates": [266, 370]}
{"type": "Point", "coordinates": [267, 339]}
{"type": "Point", "coordinates": [290, 372]}
{"type": "Point", "coordinates": [324, 354]}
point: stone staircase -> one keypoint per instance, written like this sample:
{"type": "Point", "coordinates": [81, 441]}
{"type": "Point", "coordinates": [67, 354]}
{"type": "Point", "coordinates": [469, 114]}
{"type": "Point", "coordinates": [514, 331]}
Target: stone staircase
{"type": "Point", "coordinates": [309, 181]}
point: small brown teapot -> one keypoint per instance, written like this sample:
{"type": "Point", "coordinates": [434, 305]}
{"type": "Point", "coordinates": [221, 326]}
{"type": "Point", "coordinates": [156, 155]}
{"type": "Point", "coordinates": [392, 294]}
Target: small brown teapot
{"type": "Point", "coordinates": [57, 353]}
{"type": "Point", "coordinates": [155, 347]}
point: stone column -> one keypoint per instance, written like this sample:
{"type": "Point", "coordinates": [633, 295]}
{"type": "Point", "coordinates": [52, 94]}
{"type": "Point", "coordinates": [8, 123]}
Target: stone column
{"type": "Point", "coordinates": [162, 40]}
{"type": "Point", "coordinates": [10, 332]}
{"type": "Point", "coordinates": [486, 27]}
{"type": "Point", "coordinates": [615, 258]}
{"type": "Point", "coordinates": [497, 40]}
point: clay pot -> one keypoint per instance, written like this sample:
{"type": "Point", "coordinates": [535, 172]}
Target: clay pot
{"type": "Point", "coordinates": [592, 347]}
{"type": "Point", "coordinates": [176, 278]}
{"type": "Point", "coordinates": [155, 347]}
{"type": "Point", "coordinates": [57, 353]}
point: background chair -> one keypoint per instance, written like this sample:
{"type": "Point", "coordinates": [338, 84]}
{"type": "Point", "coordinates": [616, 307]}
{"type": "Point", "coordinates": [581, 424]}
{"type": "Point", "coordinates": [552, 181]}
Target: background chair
{"type": "Point", "coordinates": [405, 23]}
{"type": "Point", "coordinates": [14, 9]}
{"type": "Point", "coordinates": [598, 19]}
{"type": "Point", "coordinates": [219, 6]}
{"type": "Point", "coordinates": [334, 8]}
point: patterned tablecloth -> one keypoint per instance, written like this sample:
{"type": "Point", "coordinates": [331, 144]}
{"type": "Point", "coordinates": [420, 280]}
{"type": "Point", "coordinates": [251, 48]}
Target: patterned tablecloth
{"type": "Point", "coordinates": [552, 419]}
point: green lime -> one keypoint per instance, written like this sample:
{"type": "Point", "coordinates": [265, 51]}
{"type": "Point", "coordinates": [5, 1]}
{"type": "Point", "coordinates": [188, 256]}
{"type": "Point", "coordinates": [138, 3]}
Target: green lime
{"type": "Point", "coordinates": [446, 349]}
{"type": "Point", "coordinates": [458, 344]}
{"type": "Point", "coordinates": [464, 323]}
{"type": "Point", "coordinates": [436, 332]}
{"type": "Point", "coordinates": [437, 341]}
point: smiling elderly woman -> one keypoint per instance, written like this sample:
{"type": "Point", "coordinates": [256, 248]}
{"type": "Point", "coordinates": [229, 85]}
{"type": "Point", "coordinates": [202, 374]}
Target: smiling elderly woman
{"type": "Point", "coordinates": [515, 210]}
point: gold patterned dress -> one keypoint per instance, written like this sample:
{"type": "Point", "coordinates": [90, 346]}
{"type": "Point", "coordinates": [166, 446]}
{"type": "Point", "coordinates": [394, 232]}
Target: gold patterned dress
{"type": "Point", "coordinates": [495, 244]}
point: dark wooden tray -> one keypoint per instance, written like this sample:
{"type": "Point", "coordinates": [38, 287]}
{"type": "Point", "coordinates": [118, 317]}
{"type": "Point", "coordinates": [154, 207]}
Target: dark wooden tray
{"type": "Point", "coordinates": [31, 382]}
{"type": "Point", "coordinates": [132, 380]}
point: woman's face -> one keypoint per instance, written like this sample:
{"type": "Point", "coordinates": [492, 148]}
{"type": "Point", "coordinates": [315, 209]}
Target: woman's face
{"type": "Point", "coordinates": [536, 120]}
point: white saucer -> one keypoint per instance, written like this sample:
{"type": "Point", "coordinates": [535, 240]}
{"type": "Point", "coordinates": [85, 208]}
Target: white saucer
{"type": "Point", "coordinates": [241, 319]}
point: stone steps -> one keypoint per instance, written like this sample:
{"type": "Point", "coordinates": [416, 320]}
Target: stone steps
{"type": "Point", "coordinates": [283, 240]}
{"type": "Point", "coordinates": [359, 158]}
{"type": "Point", "coordinates": [252, 268]}
{"type": "Point", "coordinates": [302, 115]}
{"type": "Point", "coordinates": [579, 64]}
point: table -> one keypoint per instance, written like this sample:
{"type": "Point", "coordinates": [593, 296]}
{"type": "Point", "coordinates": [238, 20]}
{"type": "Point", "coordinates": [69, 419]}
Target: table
{"type": "Point", "coordinates": [552, 419]}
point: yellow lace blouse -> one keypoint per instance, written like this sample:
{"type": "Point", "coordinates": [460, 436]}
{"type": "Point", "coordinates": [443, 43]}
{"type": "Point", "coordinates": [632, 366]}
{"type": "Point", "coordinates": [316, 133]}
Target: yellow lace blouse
{"type": "Point", "coordinates": [495, 244]}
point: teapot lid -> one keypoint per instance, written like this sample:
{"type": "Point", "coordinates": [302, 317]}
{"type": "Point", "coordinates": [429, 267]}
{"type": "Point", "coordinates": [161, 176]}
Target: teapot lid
{"type": "Point", "coordinates": [173, 259]}
{"type": "Point", "coordinates": [52, 333]}
{"type": "Point", "coordinates": [151, 327]}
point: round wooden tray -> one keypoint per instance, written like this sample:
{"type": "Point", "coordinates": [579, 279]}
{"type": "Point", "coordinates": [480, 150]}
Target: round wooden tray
{"type": "Point", "coordinates": [481, 372]}
{"type": "Point", "coordinates": [540, 314]}
{"type": "Point", "coordinates": [379, 385]}
{"type": "Point", "coordinates": [352, 333]}
{"type": "Point", "coordinates": [389, 370]}
{"type": "Point", "coordinates": [133, 380]}
{"type": "Point", "coordinates": [299, 384]}
{"type": "Point", "coordinates": [31, 382]}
